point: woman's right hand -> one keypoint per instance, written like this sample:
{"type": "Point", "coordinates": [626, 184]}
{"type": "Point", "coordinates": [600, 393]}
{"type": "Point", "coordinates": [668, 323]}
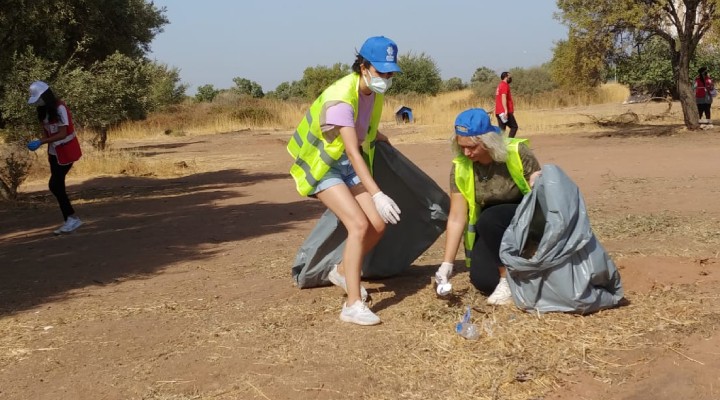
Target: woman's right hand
{"type": "Point", "coordinates": [386, 207]}
{"type": "Point", "coordinates": [34, 145]}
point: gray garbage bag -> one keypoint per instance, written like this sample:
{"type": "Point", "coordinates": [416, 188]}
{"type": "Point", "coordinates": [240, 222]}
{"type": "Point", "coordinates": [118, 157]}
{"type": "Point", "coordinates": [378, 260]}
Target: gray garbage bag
{"type": "Point", "coordinates": [554, 261]}
{"type": "Point", "coordinates": [424, 206]}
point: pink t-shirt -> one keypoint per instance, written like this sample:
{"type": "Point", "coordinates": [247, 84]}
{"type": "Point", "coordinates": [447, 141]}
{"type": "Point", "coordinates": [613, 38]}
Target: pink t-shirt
{"type": "Point", "coordinates": [341, 115]}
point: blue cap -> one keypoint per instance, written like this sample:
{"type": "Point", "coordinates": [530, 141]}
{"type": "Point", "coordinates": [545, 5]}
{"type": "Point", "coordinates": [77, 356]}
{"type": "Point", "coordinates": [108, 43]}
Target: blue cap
{"type": "Point", "coordinates": [382, 54]}
{"type": "Point", "coordinates": [474, 122]}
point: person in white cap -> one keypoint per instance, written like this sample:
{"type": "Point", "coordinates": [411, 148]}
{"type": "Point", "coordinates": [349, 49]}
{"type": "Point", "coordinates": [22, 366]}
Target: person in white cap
{"type": "Point", "coordinates": [489, 178]}
{"type": "Point", "coordinates": [63, 147]}
{"type": "Point", "coordinates": [333, 149]}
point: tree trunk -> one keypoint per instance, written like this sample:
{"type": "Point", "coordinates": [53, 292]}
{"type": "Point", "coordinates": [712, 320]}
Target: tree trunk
{"type": "Point", "coordinates": [681, 70]}
{"type": "Point", "coordinates": [100, 139]}
{"type": "Point", "coordinates": [5, 191]}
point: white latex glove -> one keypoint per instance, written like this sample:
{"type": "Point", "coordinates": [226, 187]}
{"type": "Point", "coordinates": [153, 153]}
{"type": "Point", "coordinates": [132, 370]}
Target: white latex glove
{"type": "Point", "coordinates": [389, 211]}
{"type": "Point", "coordinates": [503, 117]}
{"type": "Point", "coordinates": [442, 279]}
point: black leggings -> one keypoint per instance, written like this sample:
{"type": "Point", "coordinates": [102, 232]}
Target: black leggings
{"type": "Point", "coordinates": [485, 255]}
{"type": "Point", "coordinates": [57, 185]}
{"type": "Point", "coordinates": [704, 108]}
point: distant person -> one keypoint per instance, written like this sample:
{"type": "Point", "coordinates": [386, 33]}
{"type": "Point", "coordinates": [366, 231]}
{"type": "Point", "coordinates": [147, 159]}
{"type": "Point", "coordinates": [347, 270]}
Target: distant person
{"type": "Point", "coordinates": [489, 178]}
{"type": "Point", "coordinates": [504, 109]}
{"type": "Point", "coordinates": [704, 89]}
{"type": "Point", "coordinates": [63, 147]}
{"type": "Point", "coordinates": [333, 148]}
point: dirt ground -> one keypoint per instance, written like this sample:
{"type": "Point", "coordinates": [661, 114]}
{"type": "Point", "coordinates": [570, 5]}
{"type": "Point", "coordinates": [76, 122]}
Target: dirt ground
{"type": "Point", "coordinates": [180, 288]}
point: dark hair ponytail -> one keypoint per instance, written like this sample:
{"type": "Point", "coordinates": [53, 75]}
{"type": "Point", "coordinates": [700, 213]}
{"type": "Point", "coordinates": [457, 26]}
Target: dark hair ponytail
{"type": "Point", "coordinates": [360, 60]}
{"type": "Point", "coordinates": [49, 110]}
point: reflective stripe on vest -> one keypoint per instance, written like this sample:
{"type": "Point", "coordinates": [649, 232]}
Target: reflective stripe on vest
{"type": "Point", "coordinates": [313, 154]}
{"type": "Point", "coordinates": [465, 182]}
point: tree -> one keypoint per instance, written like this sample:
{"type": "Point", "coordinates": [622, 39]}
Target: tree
{"type": "Point", "coordinates": [110, 91]}
{"type": "Point", "coordinates": [206, 93]}
{"type": "Point", "coordinates": [247, 87]}
{"type": "Point", "coordinates": [453, 84]}
{"type": "Point", "coordinates": [648, 68]}
{"type": "Point", "coordinates": [420, 74]}
{"type": "Point", "coordinates": [531, 81]}
{"type": "Point", "coordinates": [578, 63]}
{"type": "Point", "coordinates": [483, 75]}
{"type": "Point", "coordinates": [287, 91]}
{"type": "Point", "coordinates": [603, 27]}
{"type": "Point", "coordinates": [79, 31]}
{"type": "Point", "coordinates": [165, 89]}
{"type": "Point", "coordinates": [316, 79]}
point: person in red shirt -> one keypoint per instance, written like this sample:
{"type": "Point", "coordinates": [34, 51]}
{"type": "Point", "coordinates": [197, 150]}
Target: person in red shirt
{"type": "Point", "coordinates": [504, 110]}
{"type": "Point", "coordinates": [704, 88]}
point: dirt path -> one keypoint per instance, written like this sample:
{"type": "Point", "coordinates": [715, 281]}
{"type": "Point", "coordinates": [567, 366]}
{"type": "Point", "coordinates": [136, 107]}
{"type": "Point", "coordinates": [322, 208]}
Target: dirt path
{"type": "Point", "coordinates": [180, 288]}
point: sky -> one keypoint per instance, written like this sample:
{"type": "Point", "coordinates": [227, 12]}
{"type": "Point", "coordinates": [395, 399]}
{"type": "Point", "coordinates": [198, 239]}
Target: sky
{"type": "Point", "coordinates": [273, 41]}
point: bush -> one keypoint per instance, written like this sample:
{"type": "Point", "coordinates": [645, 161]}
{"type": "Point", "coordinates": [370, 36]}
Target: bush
{"type": "Point", "coordinates": [254, 115]}
{"type": "Point", "coordinates": [15, 165]}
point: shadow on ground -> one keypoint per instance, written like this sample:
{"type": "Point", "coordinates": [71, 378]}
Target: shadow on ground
{"type": "Point", "coordinates": [638, 131]}
{"type": "Point", "coordinates": [133, 227]}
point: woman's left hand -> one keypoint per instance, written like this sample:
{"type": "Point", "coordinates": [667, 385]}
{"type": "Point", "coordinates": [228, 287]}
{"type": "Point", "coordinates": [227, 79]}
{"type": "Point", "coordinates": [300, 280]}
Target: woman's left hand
{"type": "Point", "coordinates": [533, 177]}
{"type": "Point", "coordinates": [382, 138]}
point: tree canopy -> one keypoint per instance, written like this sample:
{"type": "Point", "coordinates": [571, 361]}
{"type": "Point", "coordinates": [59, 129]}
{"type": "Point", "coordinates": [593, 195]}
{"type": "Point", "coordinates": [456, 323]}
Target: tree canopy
{"type": "Point", "coordinates": [601, 31]}
{"type": "Point", "coordinates": [73, 39]}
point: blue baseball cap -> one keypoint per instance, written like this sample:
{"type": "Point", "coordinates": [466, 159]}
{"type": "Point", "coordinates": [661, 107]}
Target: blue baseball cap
{"type": "Point", "coordinates": [474, 122]}
{"type": "Point", "coordinates": [382, 54]}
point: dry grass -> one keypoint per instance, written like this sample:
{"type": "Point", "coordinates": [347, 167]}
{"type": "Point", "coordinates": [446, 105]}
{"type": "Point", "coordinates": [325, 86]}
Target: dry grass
{"type": "Point", "coordinates": [230, 113]}
{"type": "Point", "coordinates": [114, 162]}
{"type": "Point", "coordinates": [415, 353]}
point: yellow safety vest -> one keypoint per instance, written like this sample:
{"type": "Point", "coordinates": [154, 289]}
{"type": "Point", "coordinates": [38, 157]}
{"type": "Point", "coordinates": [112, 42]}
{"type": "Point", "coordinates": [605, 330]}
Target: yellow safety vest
{"type": "Point", "coordinates": [313, 154]}
{"type": "Point", "coordinates": [465, 182]}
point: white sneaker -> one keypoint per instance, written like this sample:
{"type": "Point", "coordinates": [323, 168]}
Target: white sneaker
{"type": "Point", "coordinates": [339, 280]}
{"type": "Point", "coordinates": [359, 313]}
{"type": "Point", "coordinates": [70, 225]}
{"type": "Point", "coordinates": [501, 295]}
{"type": "Point", "coordinates": [442, 279]}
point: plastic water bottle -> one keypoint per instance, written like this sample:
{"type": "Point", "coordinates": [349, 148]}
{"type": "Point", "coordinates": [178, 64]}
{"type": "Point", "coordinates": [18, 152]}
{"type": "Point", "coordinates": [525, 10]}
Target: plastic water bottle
{"type": "Point", "coordinates": [467, 329]}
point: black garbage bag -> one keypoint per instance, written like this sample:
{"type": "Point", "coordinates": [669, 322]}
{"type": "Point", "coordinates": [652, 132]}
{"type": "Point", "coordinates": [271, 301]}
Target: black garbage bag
{"type": "Point", "coordinates": [424, 207]}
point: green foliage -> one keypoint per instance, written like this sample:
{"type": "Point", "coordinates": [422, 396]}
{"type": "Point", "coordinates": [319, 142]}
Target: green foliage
{"type": "Point", "coordinates": [19, 118]}
{"type": "Point", "coordinates": [15, 165]}
{"type": "Point", "coordinates": [165, 89]}
{"type": "Point", "coordinates": [531, 81]}
{"type": "Point", "coordinates": [206, 93]}
{"type": "Point", "coordinates": [648, 68]}
{"type": "Point", "coordinates": [110, 91]}
{"type": "Point", "coordinates": [602, 31]}
{"type": "Point", "coordinates": [420, 74]}
{"type": "Point", "coordinates": [316, 79]}
{"type": "Point", "coordinates": [77, 32]}
{"type": "Point", "coordinates": [247, 87]}
{"type": "Point", "coordinates": [452, 85]}
{"type": "Point", "coordinates": [287, 91]}
{"type": "Point", "coordinates": [579, 63]}
{"type": "Point", "coordinates": [483, 75]}
{"type": "Point", "coordinates": [525, 82]}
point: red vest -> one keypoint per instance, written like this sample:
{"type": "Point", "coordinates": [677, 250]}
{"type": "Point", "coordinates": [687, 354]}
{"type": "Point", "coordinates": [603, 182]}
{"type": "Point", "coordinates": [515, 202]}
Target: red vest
{"type": "Point", "coordinates": [68, 152]}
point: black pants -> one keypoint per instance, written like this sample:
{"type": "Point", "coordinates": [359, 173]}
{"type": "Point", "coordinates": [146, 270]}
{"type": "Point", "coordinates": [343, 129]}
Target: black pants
{"type": "Point", "coordinates": [57, 185]}
{"type": "Point", "coordinates": [511, 122]}
{"type": "Point", "coordinates": [485, 255]}
{"type": "Point", "coordinates": [704, 108]}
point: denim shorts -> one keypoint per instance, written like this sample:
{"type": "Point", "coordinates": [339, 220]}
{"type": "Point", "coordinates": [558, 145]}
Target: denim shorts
{"type": "Point", "coordinates": [340, 172]}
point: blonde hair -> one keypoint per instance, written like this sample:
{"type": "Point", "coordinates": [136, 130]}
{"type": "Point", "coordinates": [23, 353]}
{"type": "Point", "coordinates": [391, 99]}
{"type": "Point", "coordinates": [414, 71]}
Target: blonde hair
{"type": "Point", "coordinates": [494, 143]}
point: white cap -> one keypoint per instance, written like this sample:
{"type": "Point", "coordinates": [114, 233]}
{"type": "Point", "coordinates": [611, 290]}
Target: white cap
{"type": "Point", "coordinates": [37, 88]}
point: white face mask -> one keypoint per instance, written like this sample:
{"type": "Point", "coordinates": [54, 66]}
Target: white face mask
{"type": "Point", "coordinates": [378, 84]}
